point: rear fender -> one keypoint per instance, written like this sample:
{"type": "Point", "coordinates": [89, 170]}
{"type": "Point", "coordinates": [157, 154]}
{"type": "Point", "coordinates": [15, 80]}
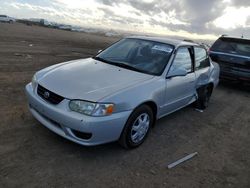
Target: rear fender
{"type": "Point", "coordinates": [211, 75]}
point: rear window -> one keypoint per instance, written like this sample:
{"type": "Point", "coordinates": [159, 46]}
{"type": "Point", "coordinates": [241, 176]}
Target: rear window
{"type": "Point", "coordinates": [232, 45]}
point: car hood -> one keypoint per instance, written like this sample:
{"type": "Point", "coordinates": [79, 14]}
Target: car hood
{"type": "Point", "coordinates": [89, 79]}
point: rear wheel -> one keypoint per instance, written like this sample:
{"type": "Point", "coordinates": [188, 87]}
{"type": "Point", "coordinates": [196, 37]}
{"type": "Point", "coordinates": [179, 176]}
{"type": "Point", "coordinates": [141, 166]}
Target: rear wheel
{"type": "Point", "coordinates": [137, 127]}
{"type": "Point", "coordinates": [204, 94]}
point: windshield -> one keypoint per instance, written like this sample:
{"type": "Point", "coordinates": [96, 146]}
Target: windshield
{"type": "Point", "coordinates": [139, 55]}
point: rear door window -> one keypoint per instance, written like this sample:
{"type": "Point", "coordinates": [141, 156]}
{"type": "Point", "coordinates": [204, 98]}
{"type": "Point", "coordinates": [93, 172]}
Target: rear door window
{"type": "Point", "coordinates": [201, 58]}
{"type": "Point", "coordinates": [233, 46]}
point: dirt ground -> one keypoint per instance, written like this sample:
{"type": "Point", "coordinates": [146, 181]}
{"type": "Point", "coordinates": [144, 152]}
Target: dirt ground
{"type": "Point", "coordinates": [32, 156]}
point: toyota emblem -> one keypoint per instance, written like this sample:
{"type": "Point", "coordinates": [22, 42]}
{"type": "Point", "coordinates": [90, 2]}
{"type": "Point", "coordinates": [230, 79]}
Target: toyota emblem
{"type": "Point", "coordinates": [46, 94]}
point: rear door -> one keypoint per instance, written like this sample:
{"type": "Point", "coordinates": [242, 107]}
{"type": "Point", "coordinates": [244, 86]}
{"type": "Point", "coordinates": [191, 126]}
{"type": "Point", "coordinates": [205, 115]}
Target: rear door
{"type": "Point", "coordinates": [180, 89]}
{"type": "Point", "coordinates": [202, 64]}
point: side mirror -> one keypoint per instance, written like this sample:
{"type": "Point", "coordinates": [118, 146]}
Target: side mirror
{"type": "Point", "coordinates": [177, 72]}
{"type": "Point", "coordinates": [99, 51]}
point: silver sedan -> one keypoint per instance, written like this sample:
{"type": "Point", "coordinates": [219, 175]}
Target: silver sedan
{"type": "Point", "coordinates": [120, 93]}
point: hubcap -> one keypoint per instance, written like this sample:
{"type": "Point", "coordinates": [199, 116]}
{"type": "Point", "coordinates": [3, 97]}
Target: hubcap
{"type": "Point", "coordinates": [140, 127]}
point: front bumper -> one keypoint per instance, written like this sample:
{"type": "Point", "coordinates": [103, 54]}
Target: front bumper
{"type": "Point", "coordinates": [66, 123]}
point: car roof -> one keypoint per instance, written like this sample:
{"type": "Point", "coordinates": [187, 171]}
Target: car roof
{"type": "Point", "coordinates": [231, 37]}
{"type": "Point", "coordinates": [173, 42]}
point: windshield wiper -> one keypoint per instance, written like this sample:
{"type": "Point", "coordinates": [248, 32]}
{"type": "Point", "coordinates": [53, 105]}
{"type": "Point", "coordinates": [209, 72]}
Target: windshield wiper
{"type": "Point", "coordinates": [126, 66]}
{"type": "Point", "coordinates": [100, 59]}
{"type": "Point", "coordinates": [123, 65]}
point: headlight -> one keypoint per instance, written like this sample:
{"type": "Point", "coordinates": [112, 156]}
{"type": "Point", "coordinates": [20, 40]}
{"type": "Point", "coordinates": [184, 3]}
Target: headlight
{"type": "Point", "coordinates": [90, 108]}
{"type": "Point", "coordinates": [34, 82]}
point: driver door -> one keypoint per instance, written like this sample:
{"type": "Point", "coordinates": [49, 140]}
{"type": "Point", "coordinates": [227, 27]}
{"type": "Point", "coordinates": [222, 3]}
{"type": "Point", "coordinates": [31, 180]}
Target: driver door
{"type": "Point", "coordinates": [180, 89]}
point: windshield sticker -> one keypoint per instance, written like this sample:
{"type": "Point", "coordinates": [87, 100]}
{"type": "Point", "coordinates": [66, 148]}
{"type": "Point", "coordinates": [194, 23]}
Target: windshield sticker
{"type": "Point", "coordinates": [162, 48]}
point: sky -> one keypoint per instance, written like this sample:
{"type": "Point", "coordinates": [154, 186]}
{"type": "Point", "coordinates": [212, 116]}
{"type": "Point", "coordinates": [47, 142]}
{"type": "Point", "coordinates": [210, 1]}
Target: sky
{"type": "Point", "coordinates": [197, 19]}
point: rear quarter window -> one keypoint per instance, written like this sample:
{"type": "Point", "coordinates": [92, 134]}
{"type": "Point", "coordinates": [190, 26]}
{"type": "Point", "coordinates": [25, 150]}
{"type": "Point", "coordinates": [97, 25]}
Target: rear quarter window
{"type": "Point", "coordinates": [201, 58]}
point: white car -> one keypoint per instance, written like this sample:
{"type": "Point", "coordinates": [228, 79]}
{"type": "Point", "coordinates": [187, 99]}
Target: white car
{"type": "Point", "coordinates": [121, 92]}
{"type": "Point", "coordinates": [4, 18]}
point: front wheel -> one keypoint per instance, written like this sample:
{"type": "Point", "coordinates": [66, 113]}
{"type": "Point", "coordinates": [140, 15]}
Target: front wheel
{"type": "Point", "coordinates": [137, 127]}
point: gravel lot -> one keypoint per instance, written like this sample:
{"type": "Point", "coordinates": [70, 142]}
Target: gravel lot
{"type": "Point", "coordinates": [32, 156]}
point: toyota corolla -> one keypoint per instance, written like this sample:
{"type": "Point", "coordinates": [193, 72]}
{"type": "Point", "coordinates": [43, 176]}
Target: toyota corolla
{"type": "Point", "coordinates": [120, 93]}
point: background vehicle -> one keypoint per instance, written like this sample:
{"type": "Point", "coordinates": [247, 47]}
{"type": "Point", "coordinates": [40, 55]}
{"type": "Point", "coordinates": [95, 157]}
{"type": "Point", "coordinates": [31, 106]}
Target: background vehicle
{"type": "Point", "coordinates": [121, 92]}
{"type": "Point", "coordinates": [233, 56]}
{"type": "Point", "coordinates": [4, 18]}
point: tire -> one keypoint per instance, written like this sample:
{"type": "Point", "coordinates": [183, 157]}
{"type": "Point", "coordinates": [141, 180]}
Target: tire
{"type": "Point", "coordinates": [137, 127]}
{"type": "Point", "coordinates": [204, 94]}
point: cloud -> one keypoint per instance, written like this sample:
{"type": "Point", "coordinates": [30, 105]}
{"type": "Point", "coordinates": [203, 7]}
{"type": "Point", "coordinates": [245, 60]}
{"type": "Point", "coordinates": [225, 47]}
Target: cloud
{"type": "Point", "coordinates": [189, 17]}
{"type": "Point", "coordinates": [233, 18]}
{"type": "Point", "coordinates": [240, 3]}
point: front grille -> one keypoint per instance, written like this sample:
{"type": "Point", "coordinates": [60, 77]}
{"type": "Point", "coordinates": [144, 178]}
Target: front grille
{"type": "Point", "coordinates": [48, 95]}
